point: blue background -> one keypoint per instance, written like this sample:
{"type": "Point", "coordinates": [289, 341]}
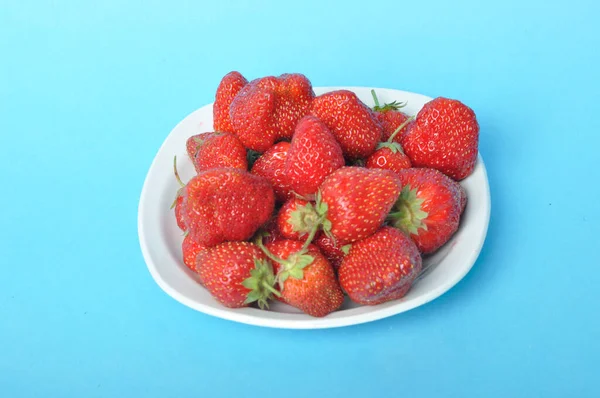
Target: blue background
{"type": "Point", "coordinates": [88, 92]}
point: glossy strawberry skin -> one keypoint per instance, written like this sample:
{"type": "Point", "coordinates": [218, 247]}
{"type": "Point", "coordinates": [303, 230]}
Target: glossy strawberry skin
{"type": "Point", "coordinates": [358, 201]}
{"type": "Point", "coordinates": [390, 120]}
{"type": "Point", "coordinates": [253, 116]}
{"type": "Point", "coordinates": [229, 87]}
{"type": "Point", "coordinates": [179, 213]}
{"type": "Point", "coordinates": [213, 150]}
{"type": "Point", "coordinates": [294, 98]}
{"type": "Point", "coordinates": [387, 159]}
{"type": "Point", "coordinates": [190, 250]}
{"type": "Point", "coordinates": [226, 204]}
{"type": "Point", "coordinates": [351, 122]}
{"type": "Point", "coordinates": [443, 201]}
{"type": "Point", "coordinates": [314, 154]}
{"type": "Point", "coordinates": [284, 225]}
{"type": "Point", "coordinates": [271, 165]}
{"type": "Point", "coordinates": [269, 108]}
{"type": "Point", "coordinates": [330, 249]}
{"type": "Point", "coordinates": [444, 136]}
{"type": "Point", "coordinates": [318, 292]}
{"type": "Point", "coordinates": [380, 268]}
{"type": "Point", "coordinates": [223, 268]}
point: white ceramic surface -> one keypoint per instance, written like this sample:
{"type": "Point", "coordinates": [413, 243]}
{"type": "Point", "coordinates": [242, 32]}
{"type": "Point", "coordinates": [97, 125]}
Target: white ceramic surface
{"type": "Point", "coordinates": [160, 238]}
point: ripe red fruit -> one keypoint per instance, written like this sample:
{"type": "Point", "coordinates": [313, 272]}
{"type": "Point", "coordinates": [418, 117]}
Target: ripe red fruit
{"type": "Point", "coordinates": [212, 150]}
{"type": "Point", "coordinates": [230, 86]}
{"type": "Point", "coordinates": [331, 250]}
{"type": "Point", "coordinates": [270, 165]}
{"type": "Point", "coordinates": [390, 117]}
{"type": "Point", "coordinates": [306, 279]}
{"type": "Point", "coordinates": [356, 201]}
{"type": "Point", "coordinates": [295, 223]}
{"type": "Point", "coordinates": [313, 155]}
{"type": "Point", "coordinates": [380, 268]}
{"type": "Point", "coordinates": [350, 120]}
{"type": "Point", "coordinates": [190, 250]}
{"type": "Point", "coordinates": [445, 137]}
{"type": "Point", "coordinates": [226, 204]}
{"type": "Point", "coordinates": [178, 212]}
{"type": "Point", "coordinates": [389, 154]}
{"type": "Point", "coordinates": [269, 108]}
{"type": "Point", "coordinates": [429, 207]}
{"type": "Point", "coordinates": [236, 274]}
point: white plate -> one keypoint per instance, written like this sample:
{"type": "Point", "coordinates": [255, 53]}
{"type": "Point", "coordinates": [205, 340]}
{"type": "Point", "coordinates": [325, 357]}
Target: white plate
{"type": "Point", "coordinates": [160, 238]}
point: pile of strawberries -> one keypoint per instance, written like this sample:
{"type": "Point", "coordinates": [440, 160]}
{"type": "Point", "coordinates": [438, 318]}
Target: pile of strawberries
{"type": "Point", "coordinates": [302, 198]}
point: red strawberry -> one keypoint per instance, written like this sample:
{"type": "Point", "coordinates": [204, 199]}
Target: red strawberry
{"type": "Point", "coordinates": [212, 150]}
{"type": "Point", "coordinates": [331, 250]}
{"type": "Point", "coordinates": [271, 166]}
{"type": "Point", "coordinates": [271, 231]}
{"type": "Point", "coordinates": [390, 118]}
{"type": "Point", "coordinates": [296, 219]}
{"type": "Point", "coordinates": [268, 109]}
{"type": "Point", "coordinates": [190, 250]}
{"type": "Point", "coordinates": [429, 207]}
{"type": "Point", "coordinates": [313, 155]}
{"type": "Point", "coordinates": [230, 85]}
{"type": "Point", "coordinates": [389, 154]}
{"type": "Point", "coordinates": [253, 116]}
{"type": "Point", "coordinates": [236, 274]}
{"type": "Point", "coordinates": [294, 97]}
{"type": "Point", "coordinates": [226, 204]}
{"type": "Point", "coordinates": [350, 120]}
{"type": "Point", "coordinates": [356, 201]}
{"type": "Point", "coordinates": [380, 268]}
{"type": "Point", "coordinates": [306, 279]}
{"type": "Point", "coordinates": [178, 212]}
{"type": "Point", "coordinates": [445, 137]}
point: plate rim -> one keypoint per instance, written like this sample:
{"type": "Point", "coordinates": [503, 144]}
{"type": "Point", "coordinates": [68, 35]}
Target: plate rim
{"type": "Point", "coordinates": [248, 317]}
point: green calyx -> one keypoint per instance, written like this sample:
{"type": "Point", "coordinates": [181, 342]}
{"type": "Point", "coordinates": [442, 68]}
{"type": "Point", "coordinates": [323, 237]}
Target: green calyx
{"type": "Point", "coordinates": [261, 284]}
{"type": "Point", "coordinates": [407, 214]}
{"type": "Point", "coordinates": [292, 266]}
{"type": "Point", "coordinates": [392, 106]}
{"type": "Point", "coordinates": [181, 184]}
{"type": "Point", "coordinates": [346, 249]}
{"type": "Point", "coordinates": [304, 219]}
{"type": "Point", "coordinates": [392, 146]}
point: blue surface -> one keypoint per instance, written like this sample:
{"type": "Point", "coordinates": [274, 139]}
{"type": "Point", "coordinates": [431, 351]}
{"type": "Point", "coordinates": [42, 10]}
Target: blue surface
{"type": "Point", "coordinates": [88, 92]}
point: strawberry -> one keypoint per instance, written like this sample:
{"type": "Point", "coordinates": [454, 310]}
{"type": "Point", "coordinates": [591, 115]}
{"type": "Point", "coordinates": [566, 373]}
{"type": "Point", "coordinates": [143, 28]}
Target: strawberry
{"type": "Point", "coordinates": [271, 166]}
{"type": "Point", "coordinates": [269, 108]}
{"type": "Point", "coordinates": [355, 202]}
{"type": "Point", "coordinates": [331, 250]}
{"type": "Point", "coordinates": [429, 207]}
{"type": "Point", "coordinates": [389, 154]}
{"type": "Point", "coordinates": [313, 155]}
{"type": "Point", "coordinates": [380, 268]}
{"type": "Point", "coordinates": [226, 204]}
{"type": "Point", "coordinates": [236, 274]}
{"type": "Point", "coordinates": [190, 250]}
{"type": "Point", "coordinates": [390, 117]}
{"type": "Point", "coordinates": [306, 279]}
{"type": "Point", "coordinates": [253, 116]}
{"type": "Point", "coordinates": [296, 219]}
{"type": "Point", "coordinates": [212, 150]}
{"type": "Point", "coordinates": [445, 137]}
{"type": "Point", "coordinates": [351, 122]}
{"type": "Point", "coordinates": [270, 231]}
{"type": "Point", "coordinates": [229, 87]}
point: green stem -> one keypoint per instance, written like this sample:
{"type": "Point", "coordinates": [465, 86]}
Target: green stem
{"type": "Point", "coordinates": [395, 133]}
{"type": "Point", "coordinates": [375, 99]}
{"type": "Point", "coordinates": [270, 255]}
{"type": "Point", "coordinates": [176, 172]}
{"type": "Point", "coordinates": [271, 289]}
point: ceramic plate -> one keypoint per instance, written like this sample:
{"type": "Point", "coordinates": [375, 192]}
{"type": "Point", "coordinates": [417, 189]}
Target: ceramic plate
{"type": "Point", "coordinates": [160, 238]}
